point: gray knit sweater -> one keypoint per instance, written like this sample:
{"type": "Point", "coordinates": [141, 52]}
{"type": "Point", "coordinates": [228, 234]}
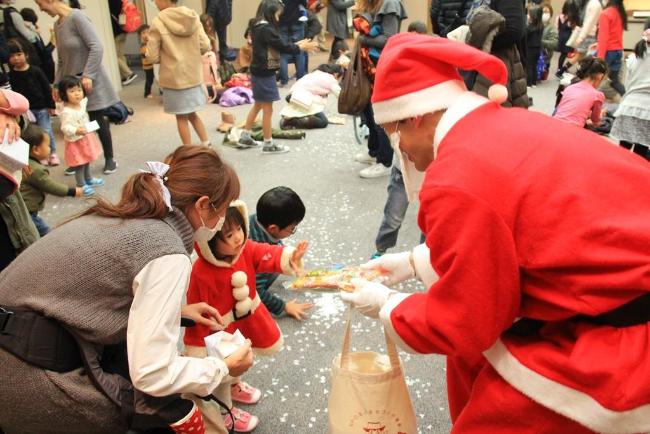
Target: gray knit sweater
{"type": "Point", "coordinates": [82, 273]}
{"type": "Point", "coordinates": [80, 53]}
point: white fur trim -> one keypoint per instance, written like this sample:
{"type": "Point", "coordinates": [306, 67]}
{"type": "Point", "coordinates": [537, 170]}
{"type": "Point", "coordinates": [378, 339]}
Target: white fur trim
{"type": "Point", "coordinates": [384, 316]}
{"type": "Point", "coordinates": [277, 346]}
{"type": "Point", "coordinates": [427, 100]}
{"type": "Point", "coordinates": [204, 248]}
{"type": "Point", "coordinates": [464, 104]}
{"type": "Point", "coordinates": [571, 403]}
{"type": "Point", "coordinates": [285, 260]}
{"type": "Point", "coordinates": [423, 269]}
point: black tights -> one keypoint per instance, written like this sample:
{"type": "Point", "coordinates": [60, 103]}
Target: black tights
{"type": "Point", "coordinates": [637, 148]}
{"type": "Point", "coordinates": [104, 132]}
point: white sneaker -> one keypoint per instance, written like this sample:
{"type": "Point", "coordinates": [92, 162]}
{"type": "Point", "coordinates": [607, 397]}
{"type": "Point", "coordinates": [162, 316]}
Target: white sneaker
{"type": "Point", "coordinates": [363, 157]}
{"type": "Point", "coordinates": [377, 170]}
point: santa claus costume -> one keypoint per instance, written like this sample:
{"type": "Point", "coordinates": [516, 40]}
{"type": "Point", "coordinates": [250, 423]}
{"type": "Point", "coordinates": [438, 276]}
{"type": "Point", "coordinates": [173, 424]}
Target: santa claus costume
{"type": "Point", "coordinates": [540, 235]}
{"type": "Point", "coordinates": [230, 288]}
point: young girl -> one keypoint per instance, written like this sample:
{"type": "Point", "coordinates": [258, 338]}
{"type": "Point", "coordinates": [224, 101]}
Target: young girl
{"type": "Point", "coordinates": [612, 22]}
{"type": "Point", "coordinates": [566, 21]}
{"type": "Point", "coordinates": [632, 124]}
{"type": "Point", "coordinates": [81, 146]}
{"type": "Point", "coordinates": [31, 82]}
{"type": "Point", "coordinates": [36, 183]}
{"type": "Point", "coordinates": [582, 102]}
{"type": "Point", "coordinates": [224, 277]}
{"type": "Point", "coordinates": [308, 111]}
{"type": "Point", "coordinates": [267, 47]}
{"type": "Point", "coordinates": [177, 41]}
{"type": "Point", "coordinates": [534, 32]}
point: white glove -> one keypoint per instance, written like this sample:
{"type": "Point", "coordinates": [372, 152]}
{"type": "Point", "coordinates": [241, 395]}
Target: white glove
{"type": "Point", "coordinates": [368, 298]}
{"type": "Point", "coordinates": [398, 266]}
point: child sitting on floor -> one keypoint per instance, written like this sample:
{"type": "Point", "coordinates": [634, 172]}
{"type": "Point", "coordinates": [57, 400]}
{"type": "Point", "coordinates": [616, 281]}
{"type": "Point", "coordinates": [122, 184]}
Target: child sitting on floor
{"type": "Point", "coordinates": [581, 103]}
{"type": "Point", "coordinates": [279, 212]}
{"type": "Point", "coordinates": [224, 277]}
{"type": "Point", "coordinates": [36, 183]}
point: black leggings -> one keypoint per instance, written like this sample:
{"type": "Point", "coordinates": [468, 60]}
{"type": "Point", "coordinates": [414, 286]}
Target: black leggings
{"type": "Point", "coordinates": [104, 132]}
{"type": "Point", "coordinates": [637, 148]}
{"type": "Point", "coordinates": [378, 142]}
{"type": "Point", "coordinates": [561, 60]}
{"type": "Point", "coordinates": [334, 55]}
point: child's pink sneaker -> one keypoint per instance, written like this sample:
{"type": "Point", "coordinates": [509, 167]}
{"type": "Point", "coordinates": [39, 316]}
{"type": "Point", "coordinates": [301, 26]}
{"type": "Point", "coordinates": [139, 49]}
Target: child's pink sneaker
{"type": "Point", "coordinates": [245, 393]}
{"type": "Point", "coordinates": [244, 421]}
{"type": "Point", "coordinates": [53, 160]}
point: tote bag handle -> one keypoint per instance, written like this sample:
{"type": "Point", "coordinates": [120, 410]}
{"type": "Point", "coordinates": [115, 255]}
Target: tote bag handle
{"type": "Point", "coordinates": [345, 353]}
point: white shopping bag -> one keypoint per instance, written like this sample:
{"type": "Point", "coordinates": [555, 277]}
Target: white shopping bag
{"type": "Point", "coordinates": [369, 394]}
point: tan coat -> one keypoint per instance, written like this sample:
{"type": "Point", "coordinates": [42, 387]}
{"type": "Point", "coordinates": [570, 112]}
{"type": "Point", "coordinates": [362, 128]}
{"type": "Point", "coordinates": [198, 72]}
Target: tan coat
{"type": "Point", "coordinates": [177, 41]}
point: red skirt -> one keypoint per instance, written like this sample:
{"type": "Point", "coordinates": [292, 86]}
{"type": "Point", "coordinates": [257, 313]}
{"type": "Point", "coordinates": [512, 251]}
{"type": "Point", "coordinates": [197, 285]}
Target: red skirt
{"type": "Point", "coordinates": [82, 151]}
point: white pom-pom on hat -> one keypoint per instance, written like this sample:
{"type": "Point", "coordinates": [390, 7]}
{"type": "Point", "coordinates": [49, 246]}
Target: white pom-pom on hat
{"type": "Point", "coordinates": [238, 279]}
{"type": "Point", "coordinates": [498, 93]}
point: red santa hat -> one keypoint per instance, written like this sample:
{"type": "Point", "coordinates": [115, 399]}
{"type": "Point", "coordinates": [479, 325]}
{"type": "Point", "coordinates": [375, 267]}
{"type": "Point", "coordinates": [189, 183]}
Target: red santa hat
{"type": "Point", "coordinates": [417, 74]}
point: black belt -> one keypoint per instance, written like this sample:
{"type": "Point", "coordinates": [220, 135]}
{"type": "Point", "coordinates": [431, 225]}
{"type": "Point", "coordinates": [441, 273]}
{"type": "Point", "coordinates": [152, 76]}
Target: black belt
{"type": "Point", "coordinates": [632, 313]}
{"type": "Point", "coordinates": [38, 340]}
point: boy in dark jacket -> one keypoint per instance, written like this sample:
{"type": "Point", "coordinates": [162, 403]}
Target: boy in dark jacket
{"type": "Point", "coordinates": [279, 211]}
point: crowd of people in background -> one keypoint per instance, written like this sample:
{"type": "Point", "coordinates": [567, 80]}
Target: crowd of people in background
{"type": "Point", "coordinates": [242, 250]}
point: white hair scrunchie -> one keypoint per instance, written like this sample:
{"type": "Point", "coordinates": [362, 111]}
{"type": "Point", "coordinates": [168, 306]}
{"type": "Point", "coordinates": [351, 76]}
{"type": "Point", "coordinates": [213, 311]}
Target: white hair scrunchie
{"type": "Point", "coordinates": [158, 169]}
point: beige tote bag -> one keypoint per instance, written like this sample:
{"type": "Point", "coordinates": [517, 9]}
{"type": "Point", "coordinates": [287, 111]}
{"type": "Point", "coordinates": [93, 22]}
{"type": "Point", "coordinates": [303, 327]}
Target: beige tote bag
{"type": "Point", "coordinates": [369, 394]}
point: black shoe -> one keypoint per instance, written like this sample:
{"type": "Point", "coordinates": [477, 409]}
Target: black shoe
{"type": "Point", "coordinates": [69, 171]}
{"type": "Point", "coordinates": [110, 167]}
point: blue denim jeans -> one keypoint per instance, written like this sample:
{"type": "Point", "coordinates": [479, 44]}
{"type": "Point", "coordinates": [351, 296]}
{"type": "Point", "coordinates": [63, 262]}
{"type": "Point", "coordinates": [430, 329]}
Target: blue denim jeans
{"type": "Point", "coordinates": [614, 60]}
{"type": "Point", "coordinates": [396, 205]}
{"type": "Point", "coordinates": [43, 120]}
{"type": "Point", "coordinates": [41, 226]}
{"type": "Point", "coordinates": [292, 33]}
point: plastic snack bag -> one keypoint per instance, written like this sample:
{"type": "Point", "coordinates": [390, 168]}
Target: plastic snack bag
{"type": "Point", "coordinates": [336, 278]}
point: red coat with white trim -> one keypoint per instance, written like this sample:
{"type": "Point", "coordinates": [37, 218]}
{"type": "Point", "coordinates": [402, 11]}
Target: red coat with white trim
{"type": "Point", "coordinates": [224, 285]}
{"type": "Point", "coordinates": [526, 216]}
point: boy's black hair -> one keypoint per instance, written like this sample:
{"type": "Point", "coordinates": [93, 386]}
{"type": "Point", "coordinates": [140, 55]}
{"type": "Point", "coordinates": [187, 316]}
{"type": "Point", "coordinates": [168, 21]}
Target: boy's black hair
{"type": "Point", "coordinates": [66, 83]}
{"type": "Point", "coordinates": [233, 219]}
{"type": "Point", "coordinates": [14, 46]}
{"type": "Point", "coordinates": [29, 15]}
{"type": "Point", "coordinates": [33, 135]}
{"type": "Point", "coordinates": [339, 46]}
{"type": "Point", "coordinates": [330, 69]}
{"type": "Point", "coordinates": [591, 66]}
{"type": "Point", "coordinates": [280, 206]}
{"type": "Point", "coordinates": [418, 27]}
{"type": "Point", "coordinates": [267, 11]}
{"type": "Point", "coordinates": [142, 28]}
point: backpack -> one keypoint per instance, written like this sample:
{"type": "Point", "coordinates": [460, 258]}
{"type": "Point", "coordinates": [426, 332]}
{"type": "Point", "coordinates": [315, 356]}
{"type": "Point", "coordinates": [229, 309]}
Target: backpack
{"type": "Point", "coordinates": [118, 113]}
{"type": "Point", "coordinates": [226, 71]}
{"type": "Point", "coordinates": [130, 18]}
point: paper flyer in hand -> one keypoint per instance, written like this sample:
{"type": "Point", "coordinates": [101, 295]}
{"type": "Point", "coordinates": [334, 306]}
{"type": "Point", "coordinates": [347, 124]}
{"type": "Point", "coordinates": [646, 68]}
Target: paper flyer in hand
{"type": "Point", "coordinates": [14, 156]}
{"type": "Point", "coordinates": [92, 126]}
{"type": "Point", "coordinates": [222, 344]}
{"type": "Point", "coordinates": [336, 278]}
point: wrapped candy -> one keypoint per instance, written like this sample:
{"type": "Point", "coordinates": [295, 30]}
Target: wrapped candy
{"type": "Point", "coordinates": [335, 279]}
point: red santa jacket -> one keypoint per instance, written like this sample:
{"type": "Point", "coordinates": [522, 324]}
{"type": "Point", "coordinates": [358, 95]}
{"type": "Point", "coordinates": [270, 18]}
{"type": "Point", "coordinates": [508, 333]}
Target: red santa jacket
{"type": "Point", "coordinates": [230, 288]}
{"type": "Point", "coordinates": [529, 217]}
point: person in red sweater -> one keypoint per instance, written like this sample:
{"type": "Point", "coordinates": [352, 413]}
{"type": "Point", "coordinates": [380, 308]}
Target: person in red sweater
{"type": "Point", "coordinates": [224, 277]}
{"type": "Point", "coordinates": [612, 22]}
{"type": "Point", "coordinates": [536, 256]}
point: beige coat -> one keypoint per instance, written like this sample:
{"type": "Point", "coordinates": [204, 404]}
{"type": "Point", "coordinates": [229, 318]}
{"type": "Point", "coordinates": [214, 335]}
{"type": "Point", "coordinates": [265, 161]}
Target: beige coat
{"type": "Point", "coordinates": [177, 41]}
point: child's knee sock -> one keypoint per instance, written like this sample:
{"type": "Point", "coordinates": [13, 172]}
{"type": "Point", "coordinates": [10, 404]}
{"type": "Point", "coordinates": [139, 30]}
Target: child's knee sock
{"type": "Point", "coordinates": [191, 423]}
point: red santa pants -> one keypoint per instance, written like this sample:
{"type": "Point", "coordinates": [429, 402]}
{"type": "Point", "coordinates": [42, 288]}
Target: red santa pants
{"type": "Point", "coordinates": [493, 406]}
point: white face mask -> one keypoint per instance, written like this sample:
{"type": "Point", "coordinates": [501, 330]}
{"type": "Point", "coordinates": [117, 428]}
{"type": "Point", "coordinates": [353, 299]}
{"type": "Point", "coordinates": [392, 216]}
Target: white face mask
{"type": "Point", "coordinates": [412, 177]}
{"type": "Point", "coordinates": [204, 233]}
{"type": "Point", "coordinates": [546, 18]}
